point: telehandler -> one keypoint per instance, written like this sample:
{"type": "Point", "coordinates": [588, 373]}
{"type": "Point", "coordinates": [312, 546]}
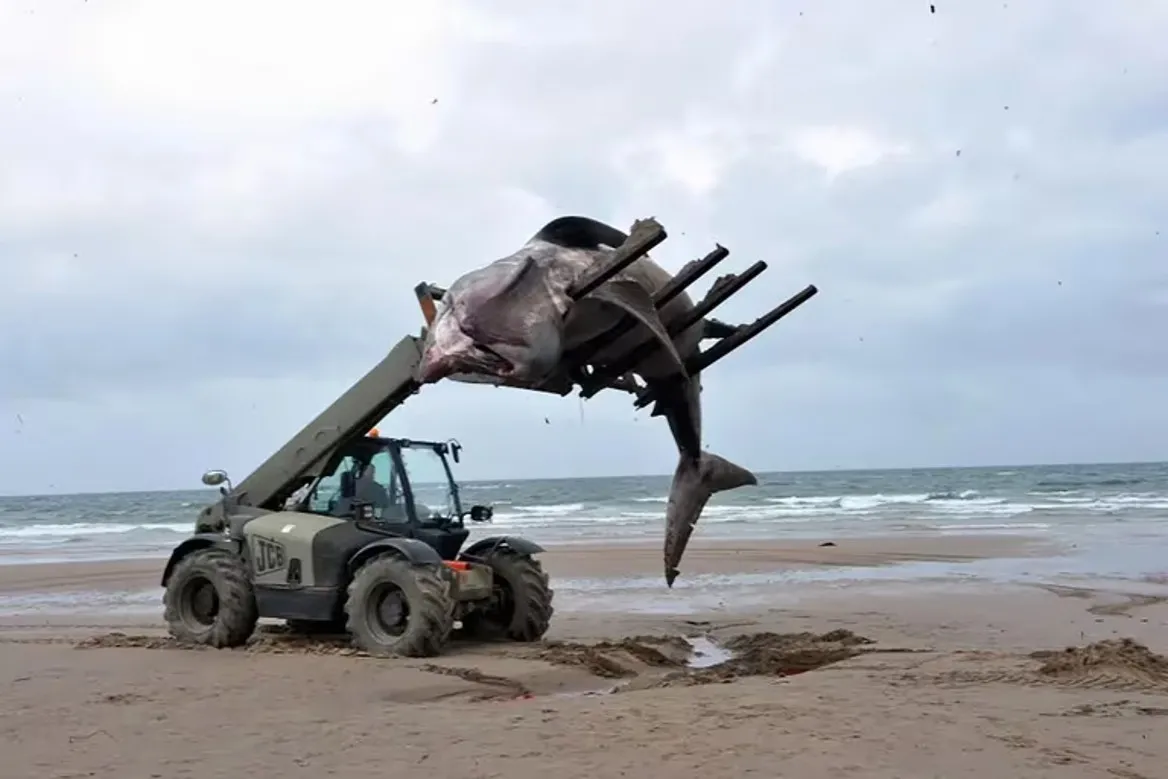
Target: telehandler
{"type": "Point", "coordinates": [342, 530]}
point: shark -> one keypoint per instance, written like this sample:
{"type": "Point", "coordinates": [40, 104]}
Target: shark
{"type": "Point", "coordinates": [513, 321]}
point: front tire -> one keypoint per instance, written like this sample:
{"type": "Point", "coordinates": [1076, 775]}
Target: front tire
{"type": "Point", "coordinates": [210, 600]}
{"type": "Point", "coordinates": [397, 608]}
{"type": "Point", "coordinates": [521, 608]}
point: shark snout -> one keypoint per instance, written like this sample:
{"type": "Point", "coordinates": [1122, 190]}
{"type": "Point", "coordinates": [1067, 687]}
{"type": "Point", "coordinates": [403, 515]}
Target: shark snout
{"type": "Point", "coordinates": [454, 351]}
{"type": "Point", "coordinates": [435, 366]}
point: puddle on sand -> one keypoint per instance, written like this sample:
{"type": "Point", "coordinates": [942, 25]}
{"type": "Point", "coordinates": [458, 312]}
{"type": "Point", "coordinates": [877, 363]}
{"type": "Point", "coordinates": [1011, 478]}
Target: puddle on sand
{"type": "Point", "coordinates": [657, 662]}
{"type": "Point", "coordinates": [608, 690]}
{"type": "Point", "coordinates": [706, 653]}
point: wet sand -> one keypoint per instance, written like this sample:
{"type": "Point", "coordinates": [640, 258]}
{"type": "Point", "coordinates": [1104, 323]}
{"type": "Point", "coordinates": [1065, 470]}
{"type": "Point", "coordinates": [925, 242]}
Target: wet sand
{"type": "Point", "coordinates": [884, 681]}
{"type": "Point", "coordinates": [599, 561]}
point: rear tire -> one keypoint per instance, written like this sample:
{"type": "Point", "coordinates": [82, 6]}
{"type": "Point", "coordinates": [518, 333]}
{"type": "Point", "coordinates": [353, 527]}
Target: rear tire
{"type": "Point", "coordinates": [397, 608]}
{"type": "Point", "coordinates": [522, 600]}
{"type": "Point", "coordinates": [210, 600]}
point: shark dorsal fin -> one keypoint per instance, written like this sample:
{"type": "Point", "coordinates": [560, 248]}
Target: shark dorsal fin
{"type": "Point", "coordinates": [580, 232]}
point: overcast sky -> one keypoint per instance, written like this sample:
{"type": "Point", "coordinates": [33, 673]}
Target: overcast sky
{"type": "Point", "coordinates": [212, 216]}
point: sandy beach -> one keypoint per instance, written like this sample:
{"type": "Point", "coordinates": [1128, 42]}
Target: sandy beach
{"type": "Point", "coordinates": [877, 679]}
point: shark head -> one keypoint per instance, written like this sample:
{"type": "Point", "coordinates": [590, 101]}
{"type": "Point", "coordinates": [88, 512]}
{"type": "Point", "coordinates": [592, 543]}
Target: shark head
{"type": "Point", "coordinates": [500, 321]}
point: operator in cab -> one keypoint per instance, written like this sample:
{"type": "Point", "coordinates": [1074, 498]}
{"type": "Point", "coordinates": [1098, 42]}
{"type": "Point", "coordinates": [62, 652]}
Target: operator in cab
{"type": "Point", "coordinates": [368, 490]}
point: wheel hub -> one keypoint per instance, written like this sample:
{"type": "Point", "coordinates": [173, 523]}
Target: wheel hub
{"type": "Point", "coordinates": [202, 602]}
{"type": "Point", "coordinates": [502, 603]}
{"type": "Point", "coordinates": [390, 611]}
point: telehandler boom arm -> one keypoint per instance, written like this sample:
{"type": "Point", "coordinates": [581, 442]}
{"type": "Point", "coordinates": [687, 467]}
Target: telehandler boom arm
{"type": "Point", "coordinates": [377, 393]}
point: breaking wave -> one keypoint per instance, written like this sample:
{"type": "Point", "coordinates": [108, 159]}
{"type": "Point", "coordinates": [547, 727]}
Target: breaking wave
{"type": "Point", "coordinates": [987, 501]}
{"type": "Point", "coordinates": [84, 529]}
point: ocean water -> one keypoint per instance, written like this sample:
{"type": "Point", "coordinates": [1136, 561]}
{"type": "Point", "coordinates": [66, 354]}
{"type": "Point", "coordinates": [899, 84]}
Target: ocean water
{"type": "Point", "coordinates": [1084, 502]}
{"type": "Point", "coordinates": [1111, 520]}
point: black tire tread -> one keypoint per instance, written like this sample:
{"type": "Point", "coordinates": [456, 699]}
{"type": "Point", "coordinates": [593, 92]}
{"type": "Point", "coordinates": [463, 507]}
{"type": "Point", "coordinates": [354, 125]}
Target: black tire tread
{"type": "Point", "coordinates": [238, 613]}
{"type": "Point", "coordinates": [431, 607]}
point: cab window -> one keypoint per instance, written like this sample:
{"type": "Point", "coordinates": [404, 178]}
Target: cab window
{"type": "Point", "coordinates": [327, 494]}
{"type": "Point", "coordinates": [378, 486]}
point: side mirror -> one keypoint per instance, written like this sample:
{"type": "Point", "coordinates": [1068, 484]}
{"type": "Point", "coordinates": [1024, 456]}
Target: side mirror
{"type": "Point", "coordinates": [456, 451]}
{"type": "Point", "coordinates": [214, 478]}
{"type": "Point", "coordinates": [481, 513]}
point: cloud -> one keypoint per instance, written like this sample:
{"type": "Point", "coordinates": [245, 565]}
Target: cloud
{"type": "Point", "coordinates": [212, 218]}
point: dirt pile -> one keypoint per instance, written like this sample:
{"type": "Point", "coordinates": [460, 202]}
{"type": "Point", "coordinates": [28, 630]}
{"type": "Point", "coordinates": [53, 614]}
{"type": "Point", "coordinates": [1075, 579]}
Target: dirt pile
{"type": "Point", "coordinates": [775, 654]}
{"type": "Point", "coordinates": [618, 659]}
{"type": "Point", "coordinates": [784, 654]}
{"type": "Point", "coordinates": [750, 642]}
{"type": "Point", "coordinates": [124, 641]}
{"type": "Point", "coordinates": [1113, 664]}
{"type": "Point", "coordinates": [1123, 656]}
{"type": "Point", "coordinates": [753, 654]}
{"type": "Point", "coordinates": [263, 642]}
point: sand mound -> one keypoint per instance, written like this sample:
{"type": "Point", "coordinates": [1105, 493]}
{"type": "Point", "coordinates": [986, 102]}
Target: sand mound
{"type": "Point", "coordinates": [755, 654]}
{"type": "Point", "coordinates": [774, 654]}
{"type": "Point", "coordinates": [261, 643]}
{"type": "Point", "coordinates": [124, 641]}
{"type": "Point", "coordinates": [773, 641]}
{"type": "Point", "coordinates": [1112, 658]}
{"type": "Point", "coordinates": [618, 659]}
{"type": "Point", "coordinates": [1114, 664]}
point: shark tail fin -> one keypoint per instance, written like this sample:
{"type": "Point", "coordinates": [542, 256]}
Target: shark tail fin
{"type": "Point", "coordinates": [692, 488]}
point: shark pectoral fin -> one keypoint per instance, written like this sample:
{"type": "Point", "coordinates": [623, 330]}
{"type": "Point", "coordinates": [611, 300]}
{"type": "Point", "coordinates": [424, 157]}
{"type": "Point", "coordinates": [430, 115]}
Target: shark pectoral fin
{"type": "Point", "coordinates": [636, 300]}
